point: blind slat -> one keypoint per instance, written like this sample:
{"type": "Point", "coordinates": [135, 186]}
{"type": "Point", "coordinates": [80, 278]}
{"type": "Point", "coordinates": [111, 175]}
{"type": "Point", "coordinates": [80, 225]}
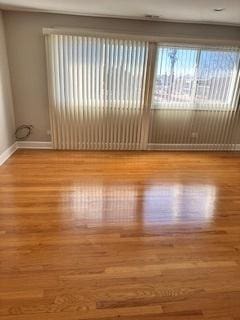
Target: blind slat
{"type": "Point", "coordinates": [97, 91]}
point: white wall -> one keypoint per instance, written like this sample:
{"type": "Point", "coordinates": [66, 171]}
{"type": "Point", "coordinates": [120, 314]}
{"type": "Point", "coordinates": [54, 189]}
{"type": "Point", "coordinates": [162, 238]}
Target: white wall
{"type": "Point", "coordinates": [27, 54]}
{"type": "Point", "coordinates": [7, 122]}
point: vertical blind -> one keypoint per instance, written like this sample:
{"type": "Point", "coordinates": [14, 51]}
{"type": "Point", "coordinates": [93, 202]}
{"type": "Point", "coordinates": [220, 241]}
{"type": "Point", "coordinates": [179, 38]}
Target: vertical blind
{"type": "Point", "coordinates": [195, 98]}
{"type": "Point", "coordinates": [97, 92]}
{"type": "Point", "coordinates": [112, 93]}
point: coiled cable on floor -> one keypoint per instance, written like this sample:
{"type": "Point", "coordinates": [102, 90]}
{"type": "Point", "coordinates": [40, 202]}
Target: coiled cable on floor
{"type": "Point", "coordinates": [23, 131]}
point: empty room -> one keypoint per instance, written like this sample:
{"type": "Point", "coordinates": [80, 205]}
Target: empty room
{"type": "Point", "coordinates": [119, 160]}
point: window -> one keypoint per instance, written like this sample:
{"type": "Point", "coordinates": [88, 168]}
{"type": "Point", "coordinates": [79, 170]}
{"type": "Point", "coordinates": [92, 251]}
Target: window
{"type": "Point", "coordinates": [195, 78]}
{"type": "Point", "coordinates": [102, 89]}
{"type": "Point", "coordinates": [97, 91]}
{"type": "Point", "coordinates": [109, 70]}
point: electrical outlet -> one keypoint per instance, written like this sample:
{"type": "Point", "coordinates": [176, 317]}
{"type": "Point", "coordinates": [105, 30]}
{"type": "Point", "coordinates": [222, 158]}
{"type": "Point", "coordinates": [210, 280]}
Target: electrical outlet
{"type": "Point", "coordinates": [194, 135]}
{"type": "Point", "coordinates": [49, 133]}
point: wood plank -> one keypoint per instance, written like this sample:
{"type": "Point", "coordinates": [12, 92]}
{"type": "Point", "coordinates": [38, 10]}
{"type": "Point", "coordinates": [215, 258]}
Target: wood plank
{"type": "Point", "coordinates": [135, 235]}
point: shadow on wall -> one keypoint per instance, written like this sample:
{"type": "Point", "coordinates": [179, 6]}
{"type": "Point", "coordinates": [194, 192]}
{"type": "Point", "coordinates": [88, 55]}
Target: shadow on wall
{"type": "Point", "coordinates": [7, 121]}
{"type": "Point", "coordinates": [202, 127]}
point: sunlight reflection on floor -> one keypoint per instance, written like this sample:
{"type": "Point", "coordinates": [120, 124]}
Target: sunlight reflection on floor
{"type": "Point", "coordinates": [129, 204]}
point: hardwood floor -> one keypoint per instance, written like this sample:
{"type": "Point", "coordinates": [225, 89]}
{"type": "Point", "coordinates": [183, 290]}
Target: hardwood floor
{"type": "Point", "coordinates": [129, 235]}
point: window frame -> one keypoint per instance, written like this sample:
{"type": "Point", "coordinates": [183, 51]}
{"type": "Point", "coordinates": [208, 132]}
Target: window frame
{"type": "Point", "coordinates": [196, 106]}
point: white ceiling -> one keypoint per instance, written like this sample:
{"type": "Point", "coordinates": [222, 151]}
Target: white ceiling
{"type": "Point", "coordinates": [174, 10]}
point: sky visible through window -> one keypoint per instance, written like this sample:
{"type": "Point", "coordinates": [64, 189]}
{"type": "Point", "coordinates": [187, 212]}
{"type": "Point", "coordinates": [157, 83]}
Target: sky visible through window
{"type": "Point", "coordinates": [185, 77]}
{"type": "Point", "coordinates": [191, 77]}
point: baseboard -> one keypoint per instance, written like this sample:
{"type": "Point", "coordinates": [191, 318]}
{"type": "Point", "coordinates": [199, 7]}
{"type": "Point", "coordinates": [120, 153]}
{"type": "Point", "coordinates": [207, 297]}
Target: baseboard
{"type": "Point", "coordinates": [24, 145]}
{"type": "Point", "coordinates": [151, 146]}
{"type": "Point", "coordinates": [34, 145]}
{"type": "Point", "coordinates": [7, 153]}
{"type": "Point", "coordinates": [193, 147]}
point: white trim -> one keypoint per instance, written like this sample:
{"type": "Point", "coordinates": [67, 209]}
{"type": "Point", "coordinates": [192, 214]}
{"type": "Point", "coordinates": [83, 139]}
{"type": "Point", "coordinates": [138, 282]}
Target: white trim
{"type": "Point", "coordinates": [151, 146]}
{"type": "Point", "coordinates": [163, 38]}
{"type": "Point", "coordinates": [24, 145]}
{"type": "Point", "coordinates": [193, 147]}
{"type": "Point", "coordinates": [7, 153]}
{"type": "Point", "coordinates": [102, 33]}
{"type": "Point", "coordinates": [34, 145]}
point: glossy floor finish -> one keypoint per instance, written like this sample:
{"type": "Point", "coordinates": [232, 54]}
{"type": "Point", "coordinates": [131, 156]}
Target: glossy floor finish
{"type": "Point", "coordinates": [129, 235]}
